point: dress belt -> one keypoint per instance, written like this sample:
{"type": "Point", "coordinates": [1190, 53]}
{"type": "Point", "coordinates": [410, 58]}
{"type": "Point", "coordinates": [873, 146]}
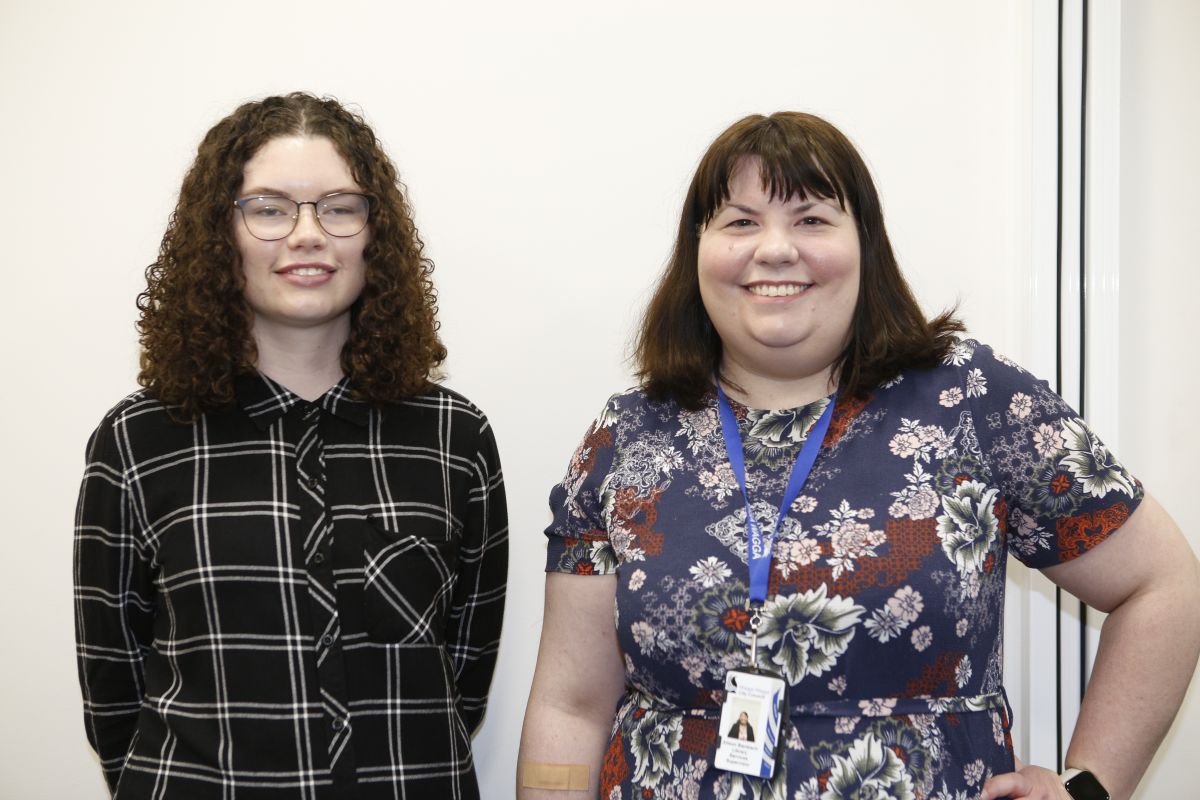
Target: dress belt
{"type": "Point", "coordinates": [842, 707]}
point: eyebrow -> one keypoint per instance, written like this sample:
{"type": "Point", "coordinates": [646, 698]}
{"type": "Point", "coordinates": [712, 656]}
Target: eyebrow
{"type": "Point", "coordinates": [800, 209]}
{"type": "Point", "coordinates": [267, 191]}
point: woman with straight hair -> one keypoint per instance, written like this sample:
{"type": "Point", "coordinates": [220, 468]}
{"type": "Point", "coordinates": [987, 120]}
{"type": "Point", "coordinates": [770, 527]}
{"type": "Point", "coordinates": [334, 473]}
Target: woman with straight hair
{"type": "Point", "coordinates": [806, 507]}
{"type": "Point", "coordinates": [290, 551]}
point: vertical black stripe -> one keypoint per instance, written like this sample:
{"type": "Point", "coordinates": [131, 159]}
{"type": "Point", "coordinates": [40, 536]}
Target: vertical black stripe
{"type": "Point", "coordinates": [1083, 109]}
{"type": "Point", "coordinates": [1058, 379]}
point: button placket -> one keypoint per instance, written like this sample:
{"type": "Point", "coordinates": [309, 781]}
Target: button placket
{"type": "Point", "coordinates": [317, 532]}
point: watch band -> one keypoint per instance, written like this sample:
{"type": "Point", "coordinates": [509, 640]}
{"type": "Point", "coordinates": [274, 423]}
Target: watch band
{"type": "Point", "coordinates": [1082, 785]}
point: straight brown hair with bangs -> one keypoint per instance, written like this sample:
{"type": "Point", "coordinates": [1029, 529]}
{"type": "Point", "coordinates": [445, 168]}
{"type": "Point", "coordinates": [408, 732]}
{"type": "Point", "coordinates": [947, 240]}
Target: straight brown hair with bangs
{"type": "Point", "coordinates": [678, 352]}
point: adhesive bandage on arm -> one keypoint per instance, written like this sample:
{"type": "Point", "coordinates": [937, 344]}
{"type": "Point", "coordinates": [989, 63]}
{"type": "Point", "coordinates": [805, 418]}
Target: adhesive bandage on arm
{"type": "Point", "coordinates": [573, 777]}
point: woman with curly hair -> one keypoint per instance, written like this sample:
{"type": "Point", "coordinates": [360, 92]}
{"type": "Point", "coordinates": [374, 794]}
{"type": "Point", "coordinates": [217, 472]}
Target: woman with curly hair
{"type": "Point", "coordinates": [291, 545]}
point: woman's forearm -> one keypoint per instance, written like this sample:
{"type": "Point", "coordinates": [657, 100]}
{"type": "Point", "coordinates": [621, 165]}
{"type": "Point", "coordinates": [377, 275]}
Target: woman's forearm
{"type": "Point", "coordinates": [1147, 654]}
{"type": "Point", "coordinates": [560, 746]}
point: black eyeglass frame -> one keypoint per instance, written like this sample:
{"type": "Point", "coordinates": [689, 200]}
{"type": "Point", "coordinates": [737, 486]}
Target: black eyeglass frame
{"type": "Point", "coordinates": [240, 204]}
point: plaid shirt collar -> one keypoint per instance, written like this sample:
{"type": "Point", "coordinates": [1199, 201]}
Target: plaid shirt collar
{"type": "Point", "coordinates": [265, 400]}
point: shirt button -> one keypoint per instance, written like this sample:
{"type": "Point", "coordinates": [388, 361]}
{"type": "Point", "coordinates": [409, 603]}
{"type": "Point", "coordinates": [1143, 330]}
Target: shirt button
{"type": "Point", "coordinates": [339, 723]}
{"type": "Point", "coordinates": [318, 558]}
{"type": "Point", "coordinates": [311, 482]}
{"type": "Point", "coordinates": [327, 640]}
{"type": "Point", "coordinates": [311, 411]}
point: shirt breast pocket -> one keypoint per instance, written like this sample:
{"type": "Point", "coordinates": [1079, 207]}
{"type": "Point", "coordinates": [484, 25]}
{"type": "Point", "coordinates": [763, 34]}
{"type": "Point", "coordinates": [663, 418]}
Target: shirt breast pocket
{"type": "Point", "coordinates": [408, 581]}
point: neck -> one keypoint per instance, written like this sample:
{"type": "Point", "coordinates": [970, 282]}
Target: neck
{"type": "Point", "coordinates": [768, 390]}
{"type": "Point", "coordinates": [308, 362]}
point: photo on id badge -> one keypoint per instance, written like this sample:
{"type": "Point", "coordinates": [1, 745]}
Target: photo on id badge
{"type": "Point", "coordinates": [749, 724]}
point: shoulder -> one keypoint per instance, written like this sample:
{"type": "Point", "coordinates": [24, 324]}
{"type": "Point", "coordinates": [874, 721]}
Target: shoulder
{"type": "Point", "coordinates": [140, 413]}
{"type": "Point", "coordinates": [438, 401]}
{"type": "Point", "coordinates": [137, 424]}
{"type": "Point", "coordinates": [970, 365]}
{"type": "Point", "coordinates": [441, 418]}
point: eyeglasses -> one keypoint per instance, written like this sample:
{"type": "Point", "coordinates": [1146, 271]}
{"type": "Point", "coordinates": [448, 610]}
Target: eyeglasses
{"type": "Point", "coordinates": [270, 217]}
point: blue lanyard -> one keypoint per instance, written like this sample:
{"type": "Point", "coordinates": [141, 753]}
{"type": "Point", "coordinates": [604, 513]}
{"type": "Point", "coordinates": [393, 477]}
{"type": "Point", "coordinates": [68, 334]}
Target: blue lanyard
{"type": "Point", "coordinates": [758, 547]}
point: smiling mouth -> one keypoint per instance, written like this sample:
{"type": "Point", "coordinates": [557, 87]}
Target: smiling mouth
{"type": "Point", "coordinates": [778, 289]}
{"type": "Point", "coordinates": [307, 270]}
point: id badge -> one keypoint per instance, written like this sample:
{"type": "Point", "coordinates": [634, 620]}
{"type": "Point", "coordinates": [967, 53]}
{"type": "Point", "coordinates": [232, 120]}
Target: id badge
{"type": "Point", "coordinates": [752, 717]}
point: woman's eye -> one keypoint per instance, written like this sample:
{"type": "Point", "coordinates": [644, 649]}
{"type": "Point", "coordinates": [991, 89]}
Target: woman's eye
{"type": "Point", "coordinates": [268, 211]}
{"type": "Point", "coordinates": [812, 221]}
{"type": "Point", "coordinates": [741, 223]}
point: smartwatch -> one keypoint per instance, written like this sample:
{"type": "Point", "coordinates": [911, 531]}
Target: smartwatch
{"type": "Point", "coordinates": [1082, 785]}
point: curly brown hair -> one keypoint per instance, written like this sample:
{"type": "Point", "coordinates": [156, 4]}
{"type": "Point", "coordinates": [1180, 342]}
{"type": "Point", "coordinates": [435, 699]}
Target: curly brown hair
{"type": "Point", "coordinates": [678, 351]}
{"type": "Point", "coordinates": [195, 326]}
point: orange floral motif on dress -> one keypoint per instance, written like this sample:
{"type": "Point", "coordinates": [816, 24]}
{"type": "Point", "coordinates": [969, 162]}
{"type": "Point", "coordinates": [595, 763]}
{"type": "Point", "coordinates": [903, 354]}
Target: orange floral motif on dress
{"type": "Point", "coordinates": [1082, 532]}
{"type": "Point", "coordinates": [638, 515]}
{"type": "Point", "coordinates": [735, 619]}
{"type": "Point", "coordinates": [844, 412]}
{"type": "Point", "coordinates": [595, 439]}
{"type": "Point", "coordinates": [699, 735]}
{"type": "Point", "coordinates": [937, 679]}
{"type": "Point", "coordinates": [615, 768]}
{"type": "Point", "coordinates": [909, 543]}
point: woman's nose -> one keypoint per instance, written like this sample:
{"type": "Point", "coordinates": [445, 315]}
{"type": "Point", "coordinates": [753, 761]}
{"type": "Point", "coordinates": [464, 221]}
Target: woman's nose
{"type": "Point", "coordinates": [308, 228]}
{"type": "Point", "coordinates": [776, 247]}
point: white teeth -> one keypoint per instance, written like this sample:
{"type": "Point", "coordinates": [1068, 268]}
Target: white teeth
{"type": "Point", "coordinates": [307, 271]}
{"type": "Point", "coordinates": [777, 289]}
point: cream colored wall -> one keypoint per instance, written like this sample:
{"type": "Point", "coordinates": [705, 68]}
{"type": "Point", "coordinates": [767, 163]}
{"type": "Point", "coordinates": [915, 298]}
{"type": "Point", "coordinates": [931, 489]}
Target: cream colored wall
{"type": "Point", "coordinates": [1160, 285]}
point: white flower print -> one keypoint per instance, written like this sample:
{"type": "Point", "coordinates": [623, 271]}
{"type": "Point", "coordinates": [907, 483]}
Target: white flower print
{"type": "Point", "coordinates": [694, 664]}
{"type": "Point", "coordinates": [961, 627]}
{"type": "Point", "coordinates": [793, 554]}
{"type": "Point", "coordinates": [838, 685]}
{"type": "Point", "coordinates": [973, 772]}
{"type": "Point", "coordinates": [1027, 536]}
{"type": "Point", "coordinates": [877, 706]}
{"type": "Point", "coordinates": [869, 769]}
{"type": "Point", "coordinates": [976, 383]}
{"type": "Point", "coordinates": [1021, 405]}
{"type": "Point", "coordinates": [810, 790]}
{"type": "Point", "coordinates": [1090, 462]}
{"type": "Point", "coordinates": [970, 584]}
{"type": "Point", "coordinates": [804, 504]}
{"type": "Point", "coordinates": [636, 580]}
{"type": "Point", "coordinates": [883, 625]}
{"type": "Point", "coordinates": [794, 742]}
{"type": "Point", "coordinates": [709, 572]}
{"type": "Point", "coordinates": [951, 397]}
{"type": "Point", "coordinates": [907, 604]}
{"type": "Point", "coordinates": [698, 426]}
{"type": "Point", "coordinates": [922, 637]}
{"type": "Point", "coordinates": [969, 526]}
{"type": "Point", "coordinates": [905, 444]}
{"type": "Point", "coordinates": [915, 440]}
{"type": "Point", "coordinates": [960, 353]}
{"type": "Point", "coordinates": [923, 503]}
{"type": "Point", "coordinates": [845, 725]}
{"type": "Point", "coordinates": [643, 636]}
{"type": "Point", "coordinates": [653, 741]}
{"type": "Point", "coordinates": [615, 794]}
{"type": "Point", "coordinates": [997, 728]}
{"type": "Point", "coordinates": [806, 633]}
{"type": "Point", "coordinates": [1008, 362]}
{"type": "Point", "coordinates": [1048, 440]}
{"type": "Point", "coordinates": [962, 673]}
{"type": "Point", "coordinates": [850, 539]}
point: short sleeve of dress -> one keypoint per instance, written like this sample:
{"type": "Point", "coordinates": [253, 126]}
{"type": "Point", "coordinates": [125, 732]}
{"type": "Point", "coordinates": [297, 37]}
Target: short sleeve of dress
{"type": "Point", "coordinates": [578, 535]}
{"type": "Point", "coordinates": [1063, 492]}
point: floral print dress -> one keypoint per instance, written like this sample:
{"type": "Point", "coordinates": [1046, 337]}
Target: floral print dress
{"type": "Point", "coordinates": [886, 594]}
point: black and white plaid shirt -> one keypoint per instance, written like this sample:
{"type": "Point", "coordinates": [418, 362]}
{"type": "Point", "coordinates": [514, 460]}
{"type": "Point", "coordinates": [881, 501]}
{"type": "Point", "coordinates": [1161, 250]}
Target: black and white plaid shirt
{"type": "Point", "coordinates": [290, 599]}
